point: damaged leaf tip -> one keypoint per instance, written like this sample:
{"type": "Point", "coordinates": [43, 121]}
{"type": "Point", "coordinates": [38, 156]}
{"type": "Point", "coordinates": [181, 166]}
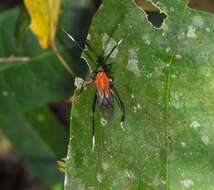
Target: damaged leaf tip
{"type": "Point", "coordinates": [155, 15]}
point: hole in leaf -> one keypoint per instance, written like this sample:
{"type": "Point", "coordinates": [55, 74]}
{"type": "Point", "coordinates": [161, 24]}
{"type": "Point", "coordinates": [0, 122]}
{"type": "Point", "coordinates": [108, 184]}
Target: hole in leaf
{"type": "Point", "coordinates": [154, 14]}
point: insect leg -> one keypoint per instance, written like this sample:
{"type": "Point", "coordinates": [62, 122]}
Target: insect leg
{"type": "Point", "coordinates": [120, 104]}
{"type": "Point", "coordinates": [93, 120]}
{"type": "Point", "coordinates": [86, 83]}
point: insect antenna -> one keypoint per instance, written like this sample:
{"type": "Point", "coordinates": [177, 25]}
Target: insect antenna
{"type": "Point", "coordinates": [113, 49]}
{"type": "Point", "coordinates": [71, 37]}
{"type": "Point", "coordinates": [80, 47]}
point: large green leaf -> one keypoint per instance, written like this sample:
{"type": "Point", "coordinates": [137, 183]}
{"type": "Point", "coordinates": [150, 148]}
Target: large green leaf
{"type": "Point", "coordinates": [164, 77]}
{"type": "Point", "coordinates": [40, 140]}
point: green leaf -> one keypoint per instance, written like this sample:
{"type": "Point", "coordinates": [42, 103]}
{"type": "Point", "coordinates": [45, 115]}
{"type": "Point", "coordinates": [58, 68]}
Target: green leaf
{"type": "Point", "coordinates": [45, 123]}
{"type": "Point", "coordinates": [37, 77]}
{"type": "Point", "coordinates": [25, 85]}
{"type": "Point", "coordinates": [40, 140]}
{"type": "Point", "coordinates": [164, 77]}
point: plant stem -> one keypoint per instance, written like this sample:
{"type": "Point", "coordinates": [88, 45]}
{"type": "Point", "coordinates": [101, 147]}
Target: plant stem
{"type": "Point", "coordinates": [13, 58]}
{"type": "Point", "coordinates": [63, 62]}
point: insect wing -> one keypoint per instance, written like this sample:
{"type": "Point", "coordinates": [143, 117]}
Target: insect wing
{"type": "Point", "coordinates": [106, 106]}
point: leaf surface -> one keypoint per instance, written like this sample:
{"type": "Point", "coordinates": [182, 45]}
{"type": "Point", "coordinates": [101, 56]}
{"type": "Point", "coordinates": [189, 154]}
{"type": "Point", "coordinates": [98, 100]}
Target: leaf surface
{"type": "Point", "coordinates": [164, 77]}
{"type": "Point", "coordinates": [40, 140]}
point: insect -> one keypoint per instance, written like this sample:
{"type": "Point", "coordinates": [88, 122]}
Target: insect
{"type": "Point", "coordinates": [105, 93]}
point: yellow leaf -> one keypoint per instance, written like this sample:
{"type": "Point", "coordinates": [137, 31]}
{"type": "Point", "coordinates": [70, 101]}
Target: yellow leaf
{"type": "Point", "coordinates": [44, 17]}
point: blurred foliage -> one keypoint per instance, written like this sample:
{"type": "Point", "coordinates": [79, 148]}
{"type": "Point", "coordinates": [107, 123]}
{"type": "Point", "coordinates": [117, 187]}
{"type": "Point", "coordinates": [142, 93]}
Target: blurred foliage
{"type": "Point", "coordinates": [30, 79]}
{"type": "Point", "coordinates": [7, 4]}
{"type": "Point", "coordinates": [5, 146]}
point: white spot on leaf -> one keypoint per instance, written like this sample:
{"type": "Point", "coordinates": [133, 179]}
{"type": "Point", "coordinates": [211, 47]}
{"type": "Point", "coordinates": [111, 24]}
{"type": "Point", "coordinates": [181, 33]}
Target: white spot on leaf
{"type": "Point", "coordinates": [103, 121]}
{"type": "Point", "coordinates": [187, 183]}
{"type": "Point", "coordinates": [198, 21]}
{"type": "Point", "coordinates": [108, 44]}
{"type": "Point", "coordinates": [195, 124]}
{"type": "Point", "coordinates": [139, 106]}
{"type": "Point", "coordinates": [168, 49]}
{"type": "Point", "coordinates": [178, 56]}
{"type": "Point", "coordinates": [208, 29]}
{"type": "Point", "coordinates": [172, 9]}
{"type": "Point", "coordinates": [99, 178]}
{"type": "Point", "coordinates": [5, 93]}
{"type": "Point", "coordinates": [147, 40]}
{"type": "Point", "coordinates": [176, 100]}
{"type": "Point", "coordinates": [205, 140]}
{"type": "Point", "coordinates": [149, 75]}
{"type": "Point", "coordinates": [191, 32]}
{"type": "Point", "coordinates": [163, 181]}
{"type": "Point", "coordinates": [183, 144]}
{"type": "Point", "coordinates": [129, 173]}
{"type": "Point", "coordinates": [133, 62]}
{"type": "Point", "coordinates": [105, 165]}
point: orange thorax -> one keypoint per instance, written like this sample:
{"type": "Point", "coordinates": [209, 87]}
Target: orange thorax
{"type": "Point", "coordinates": [102, 84]}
